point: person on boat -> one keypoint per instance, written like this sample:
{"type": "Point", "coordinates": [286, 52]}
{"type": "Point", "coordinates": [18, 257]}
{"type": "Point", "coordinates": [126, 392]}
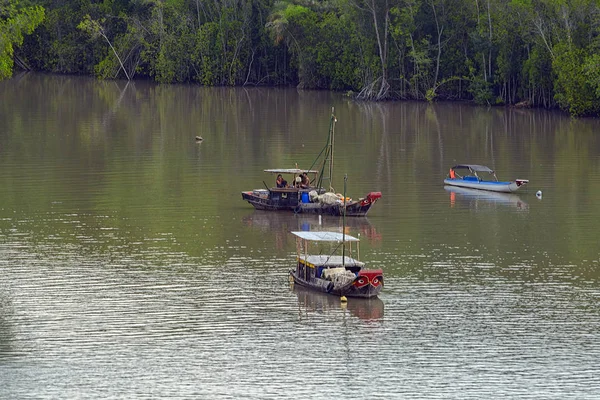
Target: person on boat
{"type": "Point", "coordinates": [304, 181]}
{"type": "Point", "coordinates": [281, 183]}
{"type": "Point", "coordinates": [452, 174]}
{"type": "Point", "coordinates": [297, 182]}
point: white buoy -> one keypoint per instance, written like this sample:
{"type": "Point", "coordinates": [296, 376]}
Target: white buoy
{"type": "Point", "coordinates": [319, 219]}
{"type": "Point", "coordinates": [538, 194]}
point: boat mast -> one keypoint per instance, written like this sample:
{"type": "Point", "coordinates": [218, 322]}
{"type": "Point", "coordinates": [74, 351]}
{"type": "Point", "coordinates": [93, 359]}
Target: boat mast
{"type": "Point", "coordinates": [332, 128]}
{"type": "Point", "coordinates": [327, 154]}
{"type": "Point", "coordinates": [344, 226]}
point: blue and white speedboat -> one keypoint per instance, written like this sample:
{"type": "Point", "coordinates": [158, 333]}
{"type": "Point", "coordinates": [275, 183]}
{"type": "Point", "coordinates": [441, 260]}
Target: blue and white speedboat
{"type": "Point", "coordinates": [471, 179]}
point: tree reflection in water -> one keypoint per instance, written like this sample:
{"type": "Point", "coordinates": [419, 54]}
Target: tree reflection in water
{"type": "Point", "coordinates": [282, 223]}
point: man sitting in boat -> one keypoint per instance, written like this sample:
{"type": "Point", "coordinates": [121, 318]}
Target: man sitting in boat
{"type": "Point", "coordinates": [304, 181]}
{"type": "Point", "coordinates": [281, 183]}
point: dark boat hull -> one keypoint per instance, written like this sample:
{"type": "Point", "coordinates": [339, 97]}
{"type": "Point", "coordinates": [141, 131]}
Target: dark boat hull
{"type": "Point", "coordinates": [291, 201]}
{"type": "Point", "coordinates": [265, 204]}
{"type": "Point", "coordinates": [324, 286]}
{"type": "Point", "coordinates": [354, 209]}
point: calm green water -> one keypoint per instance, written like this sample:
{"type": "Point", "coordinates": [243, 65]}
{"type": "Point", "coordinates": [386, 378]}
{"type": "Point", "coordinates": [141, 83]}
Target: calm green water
{"type": "Point", "coordinates": [131, 268]}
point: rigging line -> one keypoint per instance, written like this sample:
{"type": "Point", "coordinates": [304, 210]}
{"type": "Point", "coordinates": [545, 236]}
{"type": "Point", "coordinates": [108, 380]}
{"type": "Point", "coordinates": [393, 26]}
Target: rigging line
{"type": "Point", "coordinates": [333, 253]}
{"type": "Point", "coordinates": [328, 152]}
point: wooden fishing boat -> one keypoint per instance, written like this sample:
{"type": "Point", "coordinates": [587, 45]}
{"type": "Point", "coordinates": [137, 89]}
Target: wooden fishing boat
{"type": "Point", "coordinates": [333, 273]}
{"type": "Point", "coordinates": [310, 200]}
{"type": "Point", "coordinates": [285, 198]}
{"type": "Point", "coordinates": [308, 194]}
{"type": "Point", "coordinates": [471, 179]}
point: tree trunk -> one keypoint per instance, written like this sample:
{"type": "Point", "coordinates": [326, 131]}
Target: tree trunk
{"type": "Point", "coordinates": [383, 47]}
{"type": "Point", "coordinates": [439, 45]}
{"type": "Point", "coordinates": [489, 41]}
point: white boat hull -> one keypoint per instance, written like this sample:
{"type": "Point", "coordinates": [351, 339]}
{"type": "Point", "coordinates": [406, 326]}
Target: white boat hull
{"type": "Point", "coordinates": [492, 186]}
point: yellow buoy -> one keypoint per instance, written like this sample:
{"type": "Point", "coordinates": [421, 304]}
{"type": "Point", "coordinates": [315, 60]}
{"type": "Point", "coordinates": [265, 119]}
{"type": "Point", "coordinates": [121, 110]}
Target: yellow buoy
{"type": "Point", "coordinates": [343, 299]}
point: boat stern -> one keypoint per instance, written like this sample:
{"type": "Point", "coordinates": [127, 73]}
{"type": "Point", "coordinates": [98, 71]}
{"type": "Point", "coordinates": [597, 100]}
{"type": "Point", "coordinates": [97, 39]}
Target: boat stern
{"type": "Point", "coordinates": [259, 198]}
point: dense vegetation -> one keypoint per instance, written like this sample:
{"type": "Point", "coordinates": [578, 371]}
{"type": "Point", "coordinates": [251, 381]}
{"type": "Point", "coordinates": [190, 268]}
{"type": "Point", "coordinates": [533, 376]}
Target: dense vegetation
{"type": "Point", "coordinates": [535, 52]}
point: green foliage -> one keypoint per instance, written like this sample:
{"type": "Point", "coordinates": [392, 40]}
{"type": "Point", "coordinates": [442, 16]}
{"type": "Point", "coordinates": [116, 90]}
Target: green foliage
{"type": "Point", "coordinates": [92, 27]}
{"type": "Point", "coordinates": [537, 75]}
{"type": "Point", "coordinates": [325, 46]}
{"type": "Point", "coordinates": [430, 95]}
{"type": "Point", "coordinates": [208, 51]}
{"type": "Point", "coordinates": [337, 64]}
{"type": "Point", "coordinates": [297, 27]}
{"type": "Point", "coordinates": [573, 90]}
{"type": "Point", "coordinates": [422, 63]}
{"type": "Point", "coordinates": [591, 70]}
{"type": "Point", "coordinates": [15, 23]}
{"type": "Point", "coordinates": [481, 91]}
{"type": "Point", "coordinates": [544, 52]}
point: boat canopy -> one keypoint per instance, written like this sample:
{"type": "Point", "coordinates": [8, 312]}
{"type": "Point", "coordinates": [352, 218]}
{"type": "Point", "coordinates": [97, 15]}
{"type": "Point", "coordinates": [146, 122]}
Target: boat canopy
{"type": "Point", "coordinates": [474, 167]}
{"type": "Point", "coordinates": [324, 236]}
{"type": "Point", "coordinates": [291, 171]}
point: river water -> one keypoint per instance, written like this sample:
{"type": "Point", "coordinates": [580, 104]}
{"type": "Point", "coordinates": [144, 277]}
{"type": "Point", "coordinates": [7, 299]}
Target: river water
{"type": "Point", "coordinates": [130, 267]}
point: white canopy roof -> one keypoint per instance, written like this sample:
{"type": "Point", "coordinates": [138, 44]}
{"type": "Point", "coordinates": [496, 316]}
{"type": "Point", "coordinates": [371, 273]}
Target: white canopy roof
{"type": "Point", "coordinates": [291, 171]}
{"type": "Point", "coordinates": [324, 236]}
{"type": "Point", "coordinates": [474, 167]}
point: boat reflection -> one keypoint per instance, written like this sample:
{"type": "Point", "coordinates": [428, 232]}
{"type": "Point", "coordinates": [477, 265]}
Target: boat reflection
{"type": "Point", "coordinates": [474, 198]}
{"type": "Point", "coordinates": [7, 334]}
{"type": "Point", "coordinates": [314, 302]}
{"type": "Point", "coordinates": [284, 223]}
